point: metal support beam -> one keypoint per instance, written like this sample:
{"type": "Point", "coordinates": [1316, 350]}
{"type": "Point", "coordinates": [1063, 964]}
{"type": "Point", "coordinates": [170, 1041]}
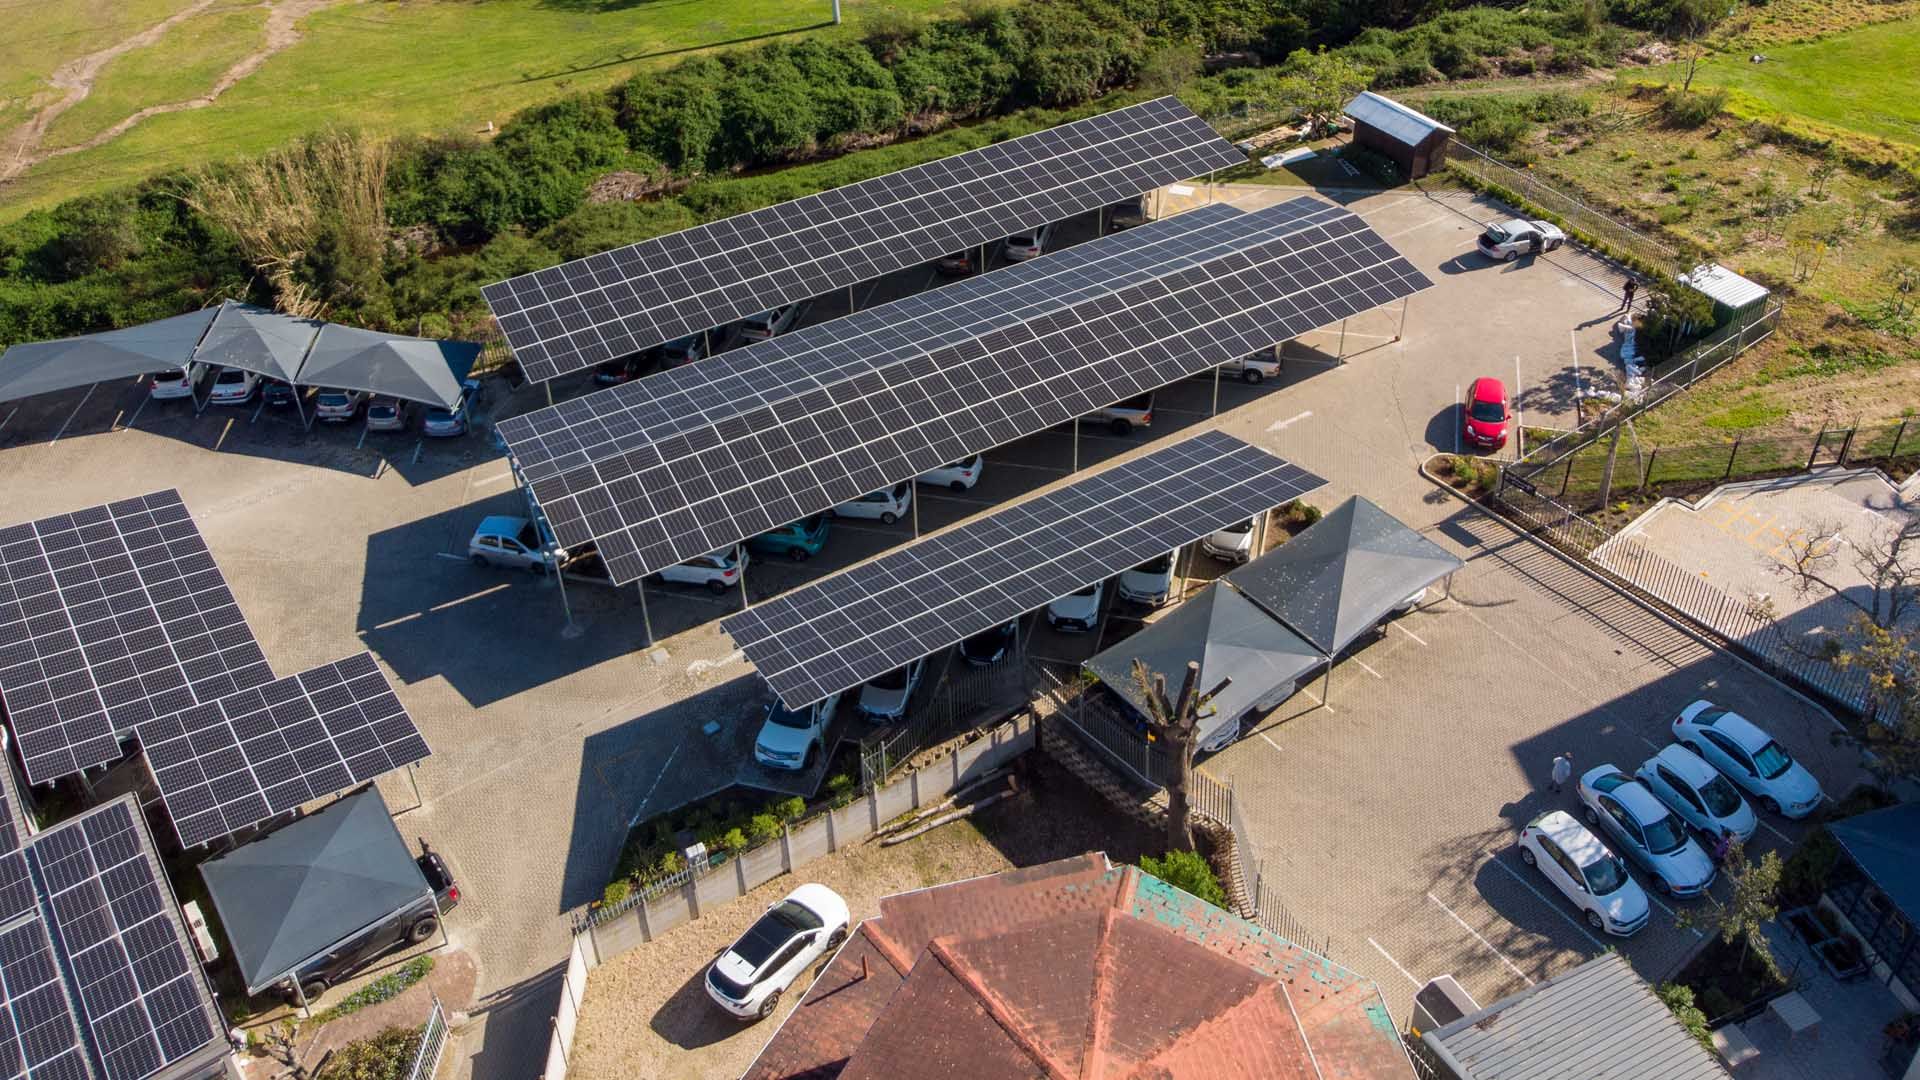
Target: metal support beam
{"type": "Point", "coordinates": [1342, 351]}
{"type": "Point", "coordinates": [560, 579]}
{"type": "Point", "coordinates": [913, 505]}
{"type": "Point", "coordinates": [549, 387]}
{"type": "Point", "coordinates": [851, 306]}
{"type": "Point", "coordinates": [1076, 444]}
{"type": "Point", "coordinates": [744, 602]}
{"type": "Point", "coordinates": [1403, 318]}
{"type": "Point", "coordinates": [1216, 391]}
{"type": "Point", "coordinates": [706, 343]}
{"type": "Point", "coordinates": [646, 620]}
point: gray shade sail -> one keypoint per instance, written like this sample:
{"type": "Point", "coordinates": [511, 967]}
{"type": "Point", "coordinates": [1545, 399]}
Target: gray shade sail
{"type": "Point", "coordinates": [1230, 637]}
{"type": "Point", "coordinates": [42, 367]}
{"type": "Point", "coordinates": [1885, 845]}
{"type": "Point", "coordinates": [417, 369]}
{"type": "Point", "coordinates": [255, 339]}
{"type": "Point", "coordinates": [295, 893]}
{"type": "Point", "coordinates": [1345, 573]}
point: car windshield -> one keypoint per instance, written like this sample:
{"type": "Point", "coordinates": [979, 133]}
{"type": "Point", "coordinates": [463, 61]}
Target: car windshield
{"type": "Point", "coordinates": [1488, 412]}
{"type": "Point", "coordinates": [1772, 761]}
{"type": "Point", "coordinates": [786, 717]}
{"type": "Point", "coordinates": [1721, 799]}
{"type": "Point", "coordinates": [775, 928]}
{"type": "Point", "coordinates": [1239, 527]}
{"type": "Point", "coordinates": [1605, 876]}
{"type": "Point", "coordinates": [529, 537]}
{"type": "Point", "coordinates": [382, 408]}
{"type": "Point", "coordinates": [1156, 566]}
{"type": "Point", "coordinates": [1023, 240]}
{"type": "Point", "coordinates": [1088, 591]}
{"type": "Point", "coordinates": [1708, 717]}
{"type": "Point", "coordinates": [440, 416]}
{"type": "Point", "coordinates": [1665, 836]}
{"type": "Point", "coordinates": [813, 523]}
{"type": "Point", "coordinates": [900, 490]}
{"type": "Point", "coordinates": [892, 680]}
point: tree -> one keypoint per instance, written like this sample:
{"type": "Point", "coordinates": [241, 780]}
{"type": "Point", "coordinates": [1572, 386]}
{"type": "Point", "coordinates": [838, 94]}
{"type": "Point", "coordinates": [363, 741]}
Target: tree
{"type": "Point", "coordinates": [384, 1056]}
{"type": "Point", "coordinates": [1318, 85]}
{"type": "Point", "coordinates": [1174, 723]}
{"type": "Point", "coordinates": [1688, 23]}
{"type": "Point", "coordinates": [1746, 912]}
{"type": "Point", "coordinates": [1822, 172]}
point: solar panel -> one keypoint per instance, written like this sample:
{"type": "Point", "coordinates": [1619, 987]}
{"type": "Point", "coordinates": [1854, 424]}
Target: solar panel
{"type": "Point", "coordinates": [140, 995]}
{"type": "Point", "coordinates": [577, 314]}
{"type": "Point", "coordinates": [691, 460]}
{"type": "Point", "coordinates": [16, 888]}
{"type": "Point", "coordinates": [39, 1039]}
{"type": "Point", "coordinates": [108, 617]}
{"type": "Point", "coordinates": [854, 626]}
{"type": "Point", "coordinates": [238, 761]}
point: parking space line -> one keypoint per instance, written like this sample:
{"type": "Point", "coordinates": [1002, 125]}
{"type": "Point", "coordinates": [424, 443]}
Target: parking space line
{"type": "Point", "coordinates": [952, 497]}
{"type": "Point", "coordinates": [1315, 698]}
{"type": "Point", "coordinates": [1456, 418]}
{"type": "Point", "coordinates": [1511, 966]}
{"type": "Point", "coordinates": [1768, 825]}
{"type": "Point", "coordinates": [1368, 670]}
{"type": "Point", "coordinates": [363, 437]}
{"type": "Point", "coordinates": [76, 412]}
{"type": "Point", "coordinates": [840, 526]}
{"type": "Point", "coordinates": [1275, 745]}
{"type": "Point", "coordinates": [144, 398]}
{"type": "Point", "coordinates": [1417, 984]}
{"type": "Point", "coordinates": [1556, 908]}
{"type": "Point", "coordinates": [1409, 633]}
{"type": "Point", "coordinates": [222, 440]}
{"type": "Point", "coordinates": [1279, 425]}
{"type": "Point", "coordinates": [999, 464]}
{"type": "Point", "coordinates": [488, 481]}
{"type": "Point", "coordinates": [417, 447]}
{"type": "Point", "coordinates": [257, 409]}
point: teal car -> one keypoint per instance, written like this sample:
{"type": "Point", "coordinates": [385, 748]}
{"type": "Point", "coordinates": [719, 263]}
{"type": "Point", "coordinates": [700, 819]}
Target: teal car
{"type": "Point", "coordinates": [799, 540]}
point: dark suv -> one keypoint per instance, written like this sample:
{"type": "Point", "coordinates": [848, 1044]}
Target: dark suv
{"type": "Point", "coordinates": [409, 927]}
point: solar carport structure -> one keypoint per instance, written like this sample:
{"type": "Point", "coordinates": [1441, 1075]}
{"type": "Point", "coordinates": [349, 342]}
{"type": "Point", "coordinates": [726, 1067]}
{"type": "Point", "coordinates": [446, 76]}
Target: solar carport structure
{"type": "Point", "coordinates": [691, 460]}
{"type": "Point", "coordinates": [569, 317]}
{"type": "Point", "coordinates": [849, 628]}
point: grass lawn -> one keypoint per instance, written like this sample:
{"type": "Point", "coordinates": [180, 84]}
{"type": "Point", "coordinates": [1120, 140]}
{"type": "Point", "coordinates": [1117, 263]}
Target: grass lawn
{"type": "Point", "coordinates": [1847, 82]}
{"type": "Point", "coordinates": [414, 66]}
{"type": "Point", "coordinates": [42, 36]}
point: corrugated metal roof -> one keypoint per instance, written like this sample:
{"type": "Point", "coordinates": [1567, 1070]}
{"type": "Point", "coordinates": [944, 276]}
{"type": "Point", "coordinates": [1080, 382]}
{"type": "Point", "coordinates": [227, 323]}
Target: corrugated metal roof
{"type": "Point", "coordinates": [1724, 286]}
{"type": "Point", "coordinates": [1394, 118]}
{"type": "Point", "coordinates": [1599, 1021]}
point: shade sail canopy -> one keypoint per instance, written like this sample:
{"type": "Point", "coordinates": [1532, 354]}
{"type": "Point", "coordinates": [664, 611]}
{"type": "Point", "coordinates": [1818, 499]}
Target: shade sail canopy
{"type": "Point", "coordinates": [42, 367]}
{"type": "Point", "coordinates": [1885, 845]}
{"type": "Point", "coordinates": [417, 369]}
{"type": "Point", "coordinates": [255, 339]}
{"type": "Point", "coordinates": [1344, 574]}
{"type": "Point", "coordinates": [295, 893]}
{"type": "Point", "coordinates": [1230, 637]}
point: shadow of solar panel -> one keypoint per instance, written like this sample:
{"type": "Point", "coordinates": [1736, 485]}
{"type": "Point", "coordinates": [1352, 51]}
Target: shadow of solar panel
{"type": "Point", "coordinates": [111, 616]}
{"type": "Point", "coordinates": [238, 761]}
{"type": "Point", "coordinates": [569, 317]}
{"type": "Point", "coordinates": [847, 629]}
{"type": "Point", "coordinates": [125, 951]}
{"type": "Point", "coordinates": [676, 465]}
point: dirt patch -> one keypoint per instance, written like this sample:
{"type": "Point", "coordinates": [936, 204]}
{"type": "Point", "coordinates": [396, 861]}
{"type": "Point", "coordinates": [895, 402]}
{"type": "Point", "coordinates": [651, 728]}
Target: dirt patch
{"type": "Point", "coordinates": [452, 980]}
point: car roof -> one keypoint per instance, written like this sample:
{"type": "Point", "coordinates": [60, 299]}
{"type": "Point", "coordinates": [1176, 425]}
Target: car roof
{"type": "Point", "coordinates": [1741, 730]}
{"type": "Point", "coordinates": [1572, 837]}
{"type": "Point", "coordinates": [1685, 762]}
{"type": "Point", "coordinates": [501, 525]}
{"type": "Point", "coordinates": [1488, 388]}
{"type": "Point", "coordinates": [1638, 801]}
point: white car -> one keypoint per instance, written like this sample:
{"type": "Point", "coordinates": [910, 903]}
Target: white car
{"type": "Point", "coordinates": [1233, 544]}
{"type": "Point", "coordinates": [338, 405]}
{"type": "Point", "coordinates": [1150, 583]}
{"type": "Point", "coordinates": [791, 739]}
{"type": "Point", "coordinates": [683, 350]}
{"type": "Point", "coordinates": [1510, 239]}
{"type": "Point", "coordinates": [960, 476]}
{"type": "Point", "coordinates": [1030, 244]}
{"type": "Point", "coordinates": [717, 570]}
{"type": "Point", "coordinates": [1078, 611]}
{"type": "Point", "coordinates": [1126, 415]}
{"type": "Point", "coordinates": [1585, 872]}
{"type": "Point", "coordinates": [1749, 757]}
{"type": "Point", "coordinates": [886, 697]}
{"type": "Point", "coordinates": [1701, 796]}
{"type": "Point", "coordinates": [771, 324]}
{"type": "Point", "coordinates": [750, 976]}
{"type": "Point", "coordinates": [1126, 215]}
{"type": "Point", "coordinates": [1646, 830]}
{"type": "Point", "coordinates": [386, 414]}
{"type": "Point", "coordinates": [1255, 369]}
{"type": "Point", "coordinates": [174, 383]}
{"type": "Point", "coordinates": [507, 541]}
{"type": "Point", "coordinates": [233, 387]}
{"type": "Point", "coordinates": [889, 504]}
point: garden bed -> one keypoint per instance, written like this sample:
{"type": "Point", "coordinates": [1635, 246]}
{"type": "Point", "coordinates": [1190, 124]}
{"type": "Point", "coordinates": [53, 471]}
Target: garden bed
{"type": "Point", "coordinates": [1730, 982]}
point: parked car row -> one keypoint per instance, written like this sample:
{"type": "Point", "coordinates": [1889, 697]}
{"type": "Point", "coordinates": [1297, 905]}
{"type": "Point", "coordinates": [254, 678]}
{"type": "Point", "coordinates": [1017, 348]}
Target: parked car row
{"type": "Point", "coordinates": [1659, 816]}
{"type": "Point", "coordinates": [233, 386]}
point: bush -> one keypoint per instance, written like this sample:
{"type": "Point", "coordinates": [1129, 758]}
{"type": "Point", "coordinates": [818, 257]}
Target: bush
{"type": "Point", "coordinates": [1804, 874]}
{"type": "Point", "coordinates": [1690, 109]}
{"type": "Point", "coordinates": [763, 828]}
{"type": "Point", "coordinates": [840, 790]}
{"type": "Point", "coordinates": [615, 892]}
{"type": "Point", "coordinates": [385, 988]}
{"type": "Point", "coordinates": [1187, 870]}
{"type": "Point", "coordinates": [1679, 999]}
{"type": "Point", "coordinates": [789, 809]}
{"type": "Point", "coordinates": [386, 1056]}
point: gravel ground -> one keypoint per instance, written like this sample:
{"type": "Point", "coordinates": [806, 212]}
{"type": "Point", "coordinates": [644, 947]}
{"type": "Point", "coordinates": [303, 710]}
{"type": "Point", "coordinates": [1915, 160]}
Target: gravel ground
{"type": "Point", "coordinates": [647, 1016]}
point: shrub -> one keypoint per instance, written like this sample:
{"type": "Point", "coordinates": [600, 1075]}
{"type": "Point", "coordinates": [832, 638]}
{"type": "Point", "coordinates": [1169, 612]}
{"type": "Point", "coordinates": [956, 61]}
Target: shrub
{"type": "Point", "coordinates": [1804, 874]}
{"type": "Point", "coordinates": [788, 809]}
{"type": "Point", "coordinates": [1679, 999]}
{"type": "Point", "coordinates": [615, 892]}
{"type": "Point", "coordinates": [1690, 109]}
{"type": "Point", "coordinates": [670, 864]}
{"type": "Point", "coordinates": [385, 1056]}
{"type": "Point", "coordinates": [385, 988]}
{"type": "Point", "coordinates": [839, 790]}
{"type": "Point", "coordinates": [1187, 870]}
{"type": "Point", "coordinates": [763, 828]}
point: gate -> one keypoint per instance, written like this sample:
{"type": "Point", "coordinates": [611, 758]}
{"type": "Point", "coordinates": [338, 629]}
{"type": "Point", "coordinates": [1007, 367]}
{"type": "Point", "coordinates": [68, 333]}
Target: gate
{"type": "Point", "coordinates": [433, 1043]}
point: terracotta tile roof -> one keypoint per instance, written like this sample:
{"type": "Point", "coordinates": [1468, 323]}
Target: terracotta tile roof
{"type": "Point", "coordinates": [1077, 970]}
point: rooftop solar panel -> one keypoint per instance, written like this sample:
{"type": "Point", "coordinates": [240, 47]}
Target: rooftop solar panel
{"type": "Point", "coordinates": [16, 889]}
{"type": "Point", "coordinates": [144, 1003]}
{"type": "Point", "coordinates": [686, 462]}
{"type": "Point", "coordinates": [238, 761]}
{"type": "Point", "coordinates": [572, 316]}
{"type": "Point", "coordinates": [39, 1038]}
{"type": "Point", "coordinates": [111, 616]}
{"type": "Point", "coordinates": [847, 629]}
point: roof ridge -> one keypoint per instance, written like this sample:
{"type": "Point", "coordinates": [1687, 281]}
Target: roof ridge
{"type": "Point", "coordinates": [884, 945]}
{"type": "Point", "coordinates": [996, 1009]}
{"type": "Point", "coordinates": [1094, 1056]}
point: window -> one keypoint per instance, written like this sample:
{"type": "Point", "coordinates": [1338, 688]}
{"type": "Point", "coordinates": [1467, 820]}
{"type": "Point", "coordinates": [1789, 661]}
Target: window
{"type": "Point", "coordinates": [489, 542]}
{"type": "Point", "coordinates": [1771, 761]}
{"type": "Point", "coordinates": [1721, 799]}
{"type": "Point", "coordinates": [1680, 788]}
{"type": "Point", "coordinates": [1605, 876]}
{"type": "Point", "coordinates": [1665, 836]}
{"type": "Point", "coordinates": [786, 956]}
{"type": "Point", "coordinates": [1727, 747]}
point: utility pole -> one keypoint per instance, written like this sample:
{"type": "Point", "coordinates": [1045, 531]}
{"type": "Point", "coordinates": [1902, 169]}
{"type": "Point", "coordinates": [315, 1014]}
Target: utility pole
{"type": "Point", "coordinates": [1175, 723]}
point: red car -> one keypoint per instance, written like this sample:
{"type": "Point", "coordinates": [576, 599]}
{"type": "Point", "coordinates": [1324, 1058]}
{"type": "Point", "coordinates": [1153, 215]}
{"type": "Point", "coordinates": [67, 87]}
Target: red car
{"type": "Point", "coordinates": [1486, 415]}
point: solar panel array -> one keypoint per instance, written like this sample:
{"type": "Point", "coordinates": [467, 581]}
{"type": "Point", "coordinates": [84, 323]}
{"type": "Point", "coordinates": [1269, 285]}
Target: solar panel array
{"type": "Point", "coordinates": [577, 314]}
{"type": "Point", "coordinates": [109, 617]}
{"type": "Point", "coordinates": [16, 888]}
{"type": "Point", "coordinates": [39, 1039]}
{"type": "Point", "coordinates": [689, 461]}
{"type": "Point", "coordinates": [141, 997]}
{"type": "Point", "coordinates": [849, 628]}
{"type": "Point", "coordinates": [238, 761]}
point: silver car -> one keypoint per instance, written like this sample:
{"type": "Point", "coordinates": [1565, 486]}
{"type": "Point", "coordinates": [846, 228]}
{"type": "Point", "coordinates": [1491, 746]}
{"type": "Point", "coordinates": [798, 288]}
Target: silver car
{"type": "Point", "coordinates": [1647, 831]}
{"type": "Point", "coordinates": [1698, 793]}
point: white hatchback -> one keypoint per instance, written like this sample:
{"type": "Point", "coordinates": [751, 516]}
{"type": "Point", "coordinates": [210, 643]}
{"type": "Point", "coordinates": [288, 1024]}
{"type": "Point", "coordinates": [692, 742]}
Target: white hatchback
{"type": "Point", "coordinates": [748, 979]}
{"type": "Point", "coordinates": [959, 476]}
{"type": "Point", "coordinates": [1078, 611]}
{"type": "Point", "coordinates": [233, 387]}
{"type": "Point", "coordinates": [1702, 797]}
{"type": "Point", "coordinates": [886, 697]}
{"type": "Point", "coordinates": [174, 382]}
{"type": "Point", "coordinates": [717, 570]}
{"type": "Point", "coordinates": [771, 324]}
{"type": "Point", "coordinates": [1150, 583]}
{"type": "Point", "coordinates": [1030, 244]}
{"type": "Point", "coordinates": [1749, 757]}
{"type": "Point", "coordinates": [1585, 872]}
{"type": "Point", "coordinates": [888, 505]}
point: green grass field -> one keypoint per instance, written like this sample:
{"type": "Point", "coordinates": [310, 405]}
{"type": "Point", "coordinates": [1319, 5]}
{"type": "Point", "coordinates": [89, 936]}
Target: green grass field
{"type": "Point", "coordinates": [1851, 81]}
{"type": "Point", "coordinates": [411, 66]}
{"type": "Point", "coordinates": [41, 36]}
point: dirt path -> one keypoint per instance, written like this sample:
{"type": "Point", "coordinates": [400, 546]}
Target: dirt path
{"type": "Point", "coordinates": [21, 150]}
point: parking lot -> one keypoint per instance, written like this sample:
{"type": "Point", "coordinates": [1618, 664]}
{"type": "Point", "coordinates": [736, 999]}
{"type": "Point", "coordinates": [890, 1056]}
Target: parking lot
{"type": "Point", "coordinates": [566, 723]}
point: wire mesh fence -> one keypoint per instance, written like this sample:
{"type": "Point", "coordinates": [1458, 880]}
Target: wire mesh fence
{"type": "Point", "coordinates": [1581, 472]}
{"type": "Point", "coordinates": [1609, 233]}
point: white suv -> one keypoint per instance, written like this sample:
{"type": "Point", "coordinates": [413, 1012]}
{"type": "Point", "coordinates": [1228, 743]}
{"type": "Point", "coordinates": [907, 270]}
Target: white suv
{"type": "Point", "coordinates": [1078, 611]}
{"type": "Point", "coordinates": [1030, 244]}
{"type": "Point", "coordinates": [790, 739]}
{"type": "Point", "coordinates": [717, 570]}
{"type": "Point", "coordinates": [1150, 583]}
{"type": "Point", "coordinates": [1582, 868]}
{"type": "Point", "coordinates": [959, 476]}
{"type": "Point", "coordinates": [1233, 544]}
{"type": "Point", "coordinates": [889, 504]}
{"type": "Point", "coordinates": [748, 979]}
{"type": "Point", "coordinates": [1126, 415]}
{"type": "Point", "coordinates": [771, 324]}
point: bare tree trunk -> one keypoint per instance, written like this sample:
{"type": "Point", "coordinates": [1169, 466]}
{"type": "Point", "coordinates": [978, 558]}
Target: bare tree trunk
{"type": "Point", "coordinates": [1180, 748]}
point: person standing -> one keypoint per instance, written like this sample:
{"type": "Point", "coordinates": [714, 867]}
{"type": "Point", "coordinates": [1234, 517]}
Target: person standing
{"type": "Point", "coordinates": [1562, 770]}
{"type": "Point", "coordinates": [1626, 295]}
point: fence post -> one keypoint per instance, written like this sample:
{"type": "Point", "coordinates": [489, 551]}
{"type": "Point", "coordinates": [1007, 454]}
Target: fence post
{"type": "Point", "coordinates": [913, 782]}
{"type": "Point", "coordinates": [1817, 440]}
{"type": "Point", "coordinates": [1567, 477]}
{"type": "Point", "coordinates": [833, 839]}
{"type": "Point", "coordinates": [873, 809]}
{"type": "Point", "coordinates": [1647, 476]}
{"type": "Point", "coordinates": [1846, 445]}
{"type": "Point", "coordinates": [786, 849]}
{"type": "Point", "coordinates": [740, 871]}
{"type": "Point", "coordinates": [1724, 477]}
{"type": "Point", "coordinates": [1897, 436]}
{"type": "Point", "coordinates": [692, 889]}
{"type": "Point", "coordinates": [646, 925]}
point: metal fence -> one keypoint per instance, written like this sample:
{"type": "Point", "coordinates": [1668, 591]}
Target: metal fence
{"type": "Point", "coordinates": [433, 1043]}
{"type": "Point", "coordinates": [1629, 561]}
{"type": "Point", "coordinates": [1607, 230]}
{"type": "Point", "coordinates": [1639, 467]}
{"type": "Point", "coordinates": [965, 698]}
{"type": "Point", "coordinates": [606, 932]}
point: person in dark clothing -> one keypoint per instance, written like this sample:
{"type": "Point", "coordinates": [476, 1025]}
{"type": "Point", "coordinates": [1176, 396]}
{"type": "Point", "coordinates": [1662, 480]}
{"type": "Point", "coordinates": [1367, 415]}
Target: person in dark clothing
{"type": "Point", "coordinates": [1626, 296]}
